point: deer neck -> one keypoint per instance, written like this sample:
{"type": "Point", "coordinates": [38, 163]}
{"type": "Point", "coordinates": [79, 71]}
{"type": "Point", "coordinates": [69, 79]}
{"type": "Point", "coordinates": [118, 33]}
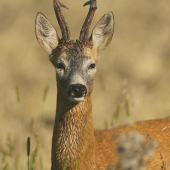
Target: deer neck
{"type": "Point", "coordinates": [73, 133]}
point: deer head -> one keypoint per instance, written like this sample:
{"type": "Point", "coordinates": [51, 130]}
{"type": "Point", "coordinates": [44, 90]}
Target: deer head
{"type": "Point", "coordinates": [74, 61]}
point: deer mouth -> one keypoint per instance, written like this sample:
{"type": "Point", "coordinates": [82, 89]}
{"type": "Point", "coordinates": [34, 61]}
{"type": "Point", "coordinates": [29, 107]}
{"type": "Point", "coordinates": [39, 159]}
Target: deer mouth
{"type": "Point", "coordinates": [76, 100]}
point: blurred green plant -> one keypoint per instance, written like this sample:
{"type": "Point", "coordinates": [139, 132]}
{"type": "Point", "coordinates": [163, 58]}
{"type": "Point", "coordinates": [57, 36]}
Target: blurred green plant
{"type": "Point", "coordinates": [11, 156]}
{"type": "Point", "coordinates": [116, 115]}
{"type": "Point", "coordinates": [34, 154]}
{"type": "Point", "coordinates": [41, 162]}
{"type": "Point", "coordinates": [31, 125]}
{"type": "Point", "coordinates": [66, 162]}
{"type": "Point", "coordinates": [127, 108]}
{"type": "Point", "coordinates": [45, 93]}
{"type": "Point", "coordinates": [10, 144]}
{"type": "Point", "coordinates": [106, 125]}
{"type": "Point", "coordinates": [46, 89]}
{"type": "Point", "coordinates": [7, 153]}
{"type": "Point", "coordinates": [76, 165]}
{"type": "Point", "coordinates": [20, 125]}
{"type": "Point", "coordinates": [17, 94]}
{"type": "Point", "coordinates": [11, 152]}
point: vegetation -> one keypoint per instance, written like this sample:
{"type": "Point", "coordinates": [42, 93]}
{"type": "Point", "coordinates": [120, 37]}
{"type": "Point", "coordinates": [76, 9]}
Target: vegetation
{"type": "Point", "coordinates": [133, 149]}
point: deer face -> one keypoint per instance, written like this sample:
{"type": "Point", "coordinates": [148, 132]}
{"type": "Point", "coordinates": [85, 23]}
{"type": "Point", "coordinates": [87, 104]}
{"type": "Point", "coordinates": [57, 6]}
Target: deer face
{"type": "Point", "coordinates": [75, 62]}
{"type": "Point", "coordinates": [75, 69]}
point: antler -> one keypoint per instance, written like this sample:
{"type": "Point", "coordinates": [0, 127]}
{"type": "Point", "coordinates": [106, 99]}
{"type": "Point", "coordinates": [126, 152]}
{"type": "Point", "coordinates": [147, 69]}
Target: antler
{"type": "Point", "coordinates": [61, 21]}
{"type": "Point", "coordinates": [85, 28]}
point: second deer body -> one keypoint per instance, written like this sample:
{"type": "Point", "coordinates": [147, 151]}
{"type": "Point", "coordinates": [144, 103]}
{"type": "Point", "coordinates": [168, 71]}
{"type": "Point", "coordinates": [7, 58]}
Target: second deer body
{"type": "Point", "coordinates": [75, 64]}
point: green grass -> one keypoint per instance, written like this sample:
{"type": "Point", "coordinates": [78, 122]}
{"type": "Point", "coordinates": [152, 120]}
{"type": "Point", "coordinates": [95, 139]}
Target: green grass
{"type": "Point", "coordinates": [116, 114]}
{"type": "Point", "coordinates": [11, 150]}
{"type": "Point", "coordinates": [11, 159]}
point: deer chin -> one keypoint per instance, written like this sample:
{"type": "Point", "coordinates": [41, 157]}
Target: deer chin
{"type": "Point", "coordinates": [75, 99]}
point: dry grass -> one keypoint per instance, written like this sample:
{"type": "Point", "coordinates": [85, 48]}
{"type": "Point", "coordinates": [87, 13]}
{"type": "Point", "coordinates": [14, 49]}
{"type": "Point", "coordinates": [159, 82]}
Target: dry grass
{"type": "Point", "coordinates": [134, 68]}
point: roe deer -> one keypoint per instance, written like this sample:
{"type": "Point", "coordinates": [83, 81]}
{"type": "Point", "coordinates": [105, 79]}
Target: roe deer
{"type": "Point", "coordinates": [75, 64]}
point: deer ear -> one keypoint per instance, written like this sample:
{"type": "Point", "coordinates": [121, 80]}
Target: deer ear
{"type": "Point", "coordinates": [103, 32]}
{"type": "Point", "coordinates": [45, 33]}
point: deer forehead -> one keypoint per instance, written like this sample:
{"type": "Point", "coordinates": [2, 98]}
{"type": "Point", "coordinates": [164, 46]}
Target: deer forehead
{"type": "Point", "coordinates": [78, 54]}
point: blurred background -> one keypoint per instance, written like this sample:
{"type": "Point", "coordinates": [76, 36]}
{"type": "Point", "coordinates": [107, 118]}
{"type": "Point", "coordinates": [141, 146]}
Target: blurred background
{"type": "Point", "coordinates": [132, 81]}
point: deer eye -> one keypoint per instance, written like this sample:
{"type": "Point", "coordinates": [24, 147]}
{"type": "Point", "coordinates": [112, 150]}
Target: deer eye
{"type": "Point", "coordinates": [60, 66]}
{"type": "Point", "coordinates": [92, 66]}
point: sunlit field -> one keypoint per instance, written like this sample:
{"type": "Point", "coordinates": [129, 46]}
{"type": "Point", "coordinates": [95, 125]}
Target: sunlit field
{"type": "Point", "coordinates": [132, 81]}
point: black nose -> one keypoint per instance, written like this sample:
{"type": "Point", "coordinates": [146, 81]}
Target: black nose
{"type": "Point", "coordinates": [78, 90]}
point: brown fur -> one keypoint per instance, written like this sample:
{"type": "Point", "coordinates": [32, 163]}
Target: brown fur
{"type": "Point", "coordinates": [95, 149]}
{"type": "Point", "coordinates": [158, 129]}
{"type": "Point", "coordinates": [73, 134]}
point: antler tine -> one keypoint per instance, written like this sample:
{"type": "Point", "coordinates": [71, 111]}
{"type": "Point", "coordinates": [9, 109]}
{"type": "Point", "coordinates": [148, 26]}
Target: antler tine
{"type": "Point", "coordinates": [61, 21]}
{"type": "Point", "coordinates": [87, 3]}
{"type": "Point", "coordinates": [85, 28]}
